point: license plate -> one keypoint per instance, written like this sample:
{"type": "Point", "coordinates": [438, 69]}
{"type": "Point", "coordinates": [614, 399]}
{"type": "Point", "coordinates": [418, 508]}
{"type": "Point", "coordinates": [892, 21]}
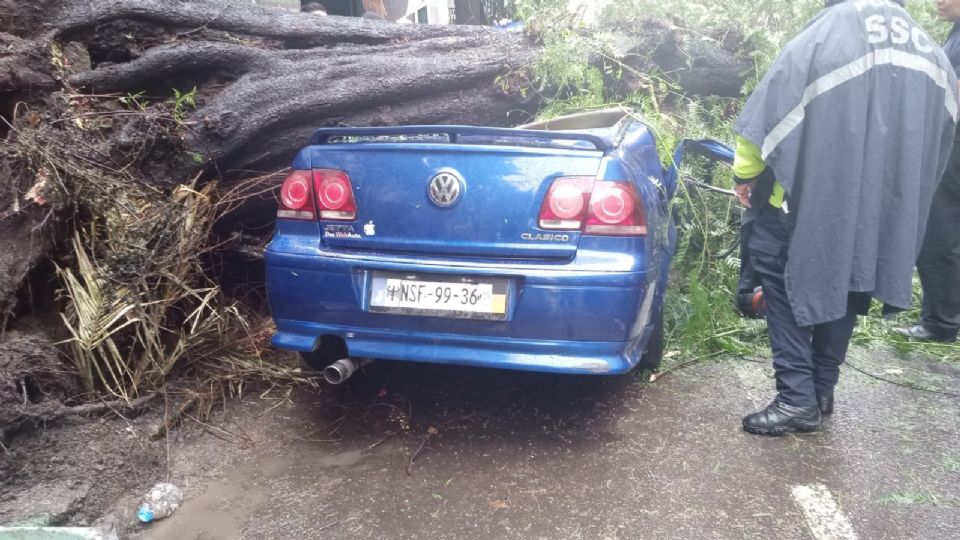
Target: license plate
{"type": "Point", "coordinates": [458, 297]}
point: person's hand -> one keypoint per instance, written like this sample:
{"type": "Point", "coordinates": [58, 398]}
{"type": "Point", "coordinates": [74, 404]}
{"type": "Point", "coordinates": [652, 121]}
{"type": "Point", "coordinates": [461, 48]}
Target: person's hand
{"type": "Point", "coordinates": [743, 192]}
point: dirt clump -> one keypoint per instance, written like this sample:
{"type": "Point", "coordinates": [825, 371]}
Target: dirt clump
{"type": "Point", "coordinates": [32, 376]}
{"type": "Point", "coordinates": [74, 471]}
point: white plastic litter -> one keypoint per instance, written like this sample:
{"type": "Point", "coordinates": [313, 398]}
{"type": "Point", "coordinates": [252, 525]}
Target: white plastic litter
{"type": "Point", "coordinates": [162, 501]}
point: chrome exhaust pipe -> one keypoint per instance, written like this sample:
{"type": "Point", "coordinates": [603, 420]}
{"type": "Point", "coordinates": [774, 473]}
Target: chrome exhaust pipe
{"type": "Point", "coordinates": [342, 369]}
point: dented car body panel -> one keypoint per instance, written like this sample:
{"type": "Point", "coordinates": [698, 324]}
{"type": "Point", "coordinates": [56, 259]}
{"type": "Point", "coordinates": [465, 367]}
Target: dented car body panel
{"type": "Point", "coordinates": [450, 256]}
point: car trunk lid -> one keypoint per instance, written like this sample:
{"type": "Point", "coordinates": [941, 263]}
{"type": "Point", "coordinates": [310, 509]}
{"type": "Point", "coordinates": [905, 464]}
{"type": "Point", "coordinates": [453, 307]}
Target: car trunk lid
{"type": "Point", "coordinates": [453, 191]}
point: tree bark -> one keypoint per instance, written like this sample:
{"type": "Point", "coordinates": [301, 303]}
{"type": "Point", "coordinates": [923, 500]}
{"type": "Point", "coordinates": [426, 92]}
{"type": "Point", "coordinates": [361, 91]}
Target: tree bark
{"type": "Point", "coordinates": [328, 68]}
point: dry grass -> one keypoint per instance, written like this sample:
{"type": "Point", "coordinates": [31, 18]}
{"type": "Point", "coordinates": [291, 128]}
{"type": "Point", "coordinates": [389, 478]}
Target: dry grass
{"type": "Point", "coordinates": [136, 293]}
{"type": "Point", "coordinates": [139, 301]}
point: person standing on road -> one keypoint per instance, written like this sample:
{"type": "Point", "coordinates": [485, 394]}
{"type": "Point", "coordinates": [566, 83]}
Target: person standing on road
{"type": "Point", "coordinates": [854, 121]}
{"type": "Point", "coordinates": [939, 261]}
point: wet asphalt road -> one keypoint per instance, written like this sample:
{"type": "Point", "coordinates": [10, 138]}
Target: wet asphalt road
{"type": "Point", "coordinates": [520, 455]}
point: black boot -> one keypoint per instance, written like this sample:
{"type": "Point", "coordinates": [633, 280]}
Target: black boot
{"type": "Point", "coordinates": [825, 402]}
{"type": "Point", "coordinates": [779, 418]}
{"type": "Point", "coordinates": [920, 332]}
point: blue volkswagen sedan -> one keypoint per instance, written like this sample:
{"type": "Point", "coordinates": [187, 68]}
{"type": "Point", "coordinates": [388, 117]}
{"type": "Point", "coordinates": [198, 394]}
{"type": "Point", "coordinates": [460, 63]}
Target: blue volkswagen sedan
{"type": "Point", "coordinates": [542, 248]}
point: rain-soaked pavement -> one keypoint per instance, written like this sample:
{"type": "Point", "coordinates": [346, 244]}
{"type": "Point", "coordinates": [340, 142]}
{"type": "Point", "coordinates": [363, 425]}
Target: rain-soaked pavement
{"type": "Point", "coordinates": [520, 455]}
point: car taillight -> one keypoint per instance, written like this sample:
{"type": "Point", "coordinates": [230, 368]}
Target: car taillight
{"type": "Point", "coordinates": [295, 197]}
{"type": "Point", "coordinates": [615, 210]}
{"type": "Point", "coordinates": [596, 207]}
{"type": "Point", "coordinates": [565, 204]}
{"type": "Point", "coordinates": [334, 195]}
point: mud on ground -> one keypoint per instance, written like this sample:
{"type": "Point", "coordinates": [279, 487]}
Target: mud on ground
{"type": "Point", "coordinates": [422, 451]}
{"type": "Point", "coordinates": [58, 470]}
{"type": "Point", "coordinates": [73, 472]}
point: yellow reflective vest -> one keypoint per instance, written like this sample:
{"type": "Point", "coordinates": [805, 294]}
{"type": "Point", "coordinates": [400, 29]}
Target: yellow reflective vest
{"type": "Point", "coordinates": [747, 164]}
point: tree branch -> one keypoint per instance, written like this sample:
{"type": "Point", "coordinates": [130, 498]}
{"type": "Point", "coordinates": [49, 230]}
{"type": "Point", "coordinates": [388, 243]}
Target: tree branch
{"type": "Point", "coordinates": [170, 60]}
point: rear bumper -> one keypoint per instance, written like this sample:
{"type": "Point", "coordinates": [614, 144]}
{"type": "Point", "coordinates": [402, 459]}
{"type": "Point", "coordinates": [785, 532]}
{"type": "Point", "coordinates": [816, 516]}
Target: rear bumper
{"type": "Point", "coordinates": [558, 320]}
{"type": "Point", "coordinates": [570, 357]}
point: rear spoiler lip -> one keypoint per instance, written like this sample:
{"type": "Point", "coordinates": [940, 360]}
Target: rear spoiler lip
{"type": "Point", "coordinates": [323, 135]}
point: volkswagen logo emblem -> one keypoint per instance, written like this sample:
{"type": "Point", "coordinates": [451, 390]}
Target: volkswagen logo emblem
{"type": "Point", "coordinates": [445, 189]}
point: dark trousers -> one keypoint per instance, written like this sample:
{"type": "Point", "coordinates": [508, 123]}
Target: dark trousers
{"type": "Point", "coordinates": [939, 262]}
{"type": "Point", "coordinates": [806, 358]}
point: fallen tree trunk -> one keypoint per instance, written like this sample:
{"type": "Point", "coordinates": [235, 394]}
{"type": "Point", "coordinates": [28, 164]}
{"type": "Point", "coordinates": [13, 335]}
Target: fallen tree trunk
{"type": "Point", "coordinates": [294, 72]}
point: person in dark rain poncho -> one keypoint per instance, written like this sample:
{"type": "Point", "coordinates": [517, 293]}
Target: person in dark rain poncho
{"type": "Point", "coordinates": [852, 125]}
